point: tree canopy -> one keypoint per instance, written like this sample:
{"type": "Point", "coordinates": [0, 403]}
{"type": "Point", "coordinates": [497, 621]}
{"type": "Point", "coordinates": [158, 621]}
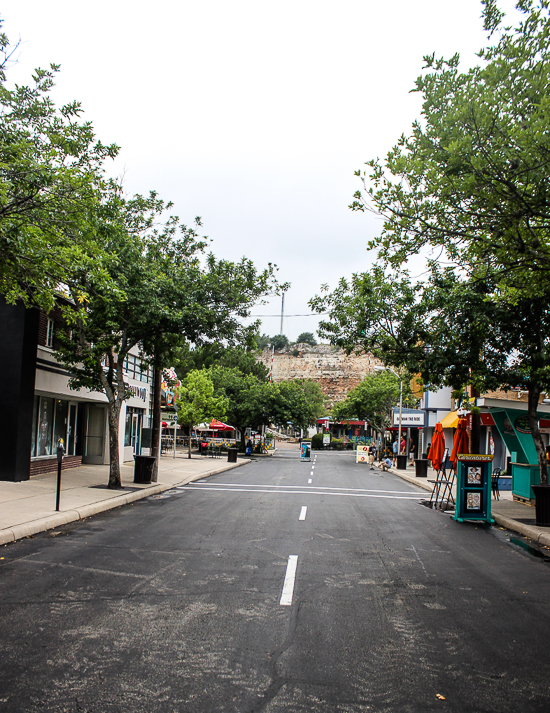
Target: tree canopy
{"type": "Point", "coordinates": [197, 402]}
{"type": "Point", "coordinates": [472, 177]}
{"type": "Point", "coordinates": [373, 399]}
{"type": "Point", "coordinates": [307, 338]}
{"type": "Point", "coordinates": [468, 190]}
{"type": "Point", "coordinates": [51, 185]}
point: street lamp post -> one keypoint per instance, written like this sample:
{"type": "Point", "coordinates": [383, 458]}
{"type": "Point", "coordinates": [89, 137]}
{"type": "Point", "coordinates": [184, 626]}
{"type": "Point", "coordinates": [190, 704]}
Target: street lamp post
{"type": "Point", "coordinates": [387, 368]}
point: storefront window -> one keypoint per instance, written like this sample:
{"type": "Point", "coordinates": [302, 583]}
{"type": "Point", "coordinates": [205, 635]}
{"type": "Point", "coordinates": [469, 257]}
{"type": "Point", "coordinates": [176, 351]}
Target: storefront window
{"type": "Point", "coordinates": [45, 427]}
{"type": "Point", "coordinates": [60, 428]}
{"type": "Point", "coordinates": [34, 420]}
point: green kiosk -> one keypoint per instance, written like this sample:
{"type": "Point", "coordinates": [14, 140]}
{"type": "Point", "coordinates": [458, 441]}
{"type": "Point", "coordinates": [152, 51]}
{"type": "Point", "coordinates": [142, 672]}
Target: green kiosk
{"type": "Point", "coordinates": [473, 488]}
{"type": "Point", "coordinates": [513, 426]}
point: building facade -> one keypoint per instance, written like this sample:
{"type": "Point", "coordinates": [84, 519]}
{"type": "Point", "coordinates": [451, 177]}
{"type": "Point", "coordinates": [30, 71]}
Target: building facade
{"type": "Point", "coordinates": [39, 408]}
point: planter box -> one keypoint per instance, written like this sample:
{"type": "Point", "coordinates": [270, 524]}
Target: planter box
{"type": "Point", "coordinates": [524, 475]}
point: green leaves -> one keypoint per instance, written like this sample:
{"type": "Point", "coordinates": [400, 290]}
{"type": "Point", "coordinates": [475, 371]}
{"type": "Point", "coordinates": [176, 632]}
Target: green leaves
{"type": "Point", "coordinates": [51, 183]}
{"type": "Point", "coordinates": [196, 400]}
{"type": "Point", "coordinates": [372, 400]}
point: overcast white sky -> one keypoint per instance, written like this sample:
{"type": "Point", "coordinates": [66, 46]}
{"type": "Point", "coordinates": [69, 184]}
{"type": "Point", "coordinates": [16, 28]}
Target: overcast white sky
{"type": "Point", "coordinates": [251, 114]}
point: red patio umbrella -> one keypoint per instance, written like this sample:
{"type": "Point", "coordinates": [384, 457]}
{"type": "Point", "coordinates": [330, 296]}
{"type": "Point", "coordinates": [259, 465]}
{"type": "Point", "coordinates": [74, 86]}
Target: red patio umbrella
{"type": "Point", "coordinates": [437, 448]}
{"type": "Point", "coordinates": [219, 426]}
{"type": "Point", "coordinates": [460, 444]}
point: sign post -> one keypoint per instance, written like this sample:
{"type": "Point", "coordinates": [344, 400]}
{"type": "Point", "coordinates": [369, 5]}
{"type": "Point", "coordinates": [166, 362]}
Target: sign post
{"type": "Point", "coordinates": [473, 488]}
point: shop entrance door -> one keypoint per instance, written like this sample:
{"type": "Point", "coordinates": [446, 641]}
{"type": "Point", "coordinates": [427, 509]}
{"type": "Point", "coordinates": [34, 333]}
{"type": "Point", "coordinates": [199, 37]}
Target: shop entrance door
{"type": "Point", "coordinates": [136, 418]}
{"type": "Point", "coordinates": [95, 435]}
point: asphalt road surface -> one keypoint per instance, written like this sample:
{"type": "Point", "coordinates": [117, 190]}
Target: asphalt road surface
{"type": "Point", "coordinates": [278, 586]}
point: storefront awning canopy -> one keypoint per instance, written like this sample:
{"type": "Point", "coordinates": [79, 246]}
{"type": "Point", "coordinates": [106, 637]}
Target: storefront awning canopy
{"type": "Point", "coordinates": [450, 420]}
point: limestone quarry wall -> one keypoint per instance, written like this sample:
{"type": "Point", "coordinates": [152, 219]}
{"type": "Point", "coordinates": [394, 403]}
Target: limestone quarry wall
{"type": "Point", "coordinates": [330, 367]}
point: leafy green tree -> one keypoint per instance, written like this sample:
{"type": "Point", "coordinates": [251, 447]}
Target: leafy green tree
{"type": "Point", "coordinates": [51, 187]}
{"type": "Point", "coordinates": [262, 341]}
{"type": "Point", "coordinates": [166, 296]}
{"type": "Point", "coordinates": [279, 341]}
{"type": "Point", "coordinates": [307, 338]}
{"type": "Point", "coordinates": [197, 402]}
{"type": "Point", "coordinates": [299, 401]}
{"type": "Point", "coordinates": [216, 354]}
{"type": "Point", "coordinates": [249, 398]}
{"type": "Point", "coordinates": [470, 185]}
{"type": "Point", "coordinates": [373, 399]}
{"type": "Point", "coordinates": [472, 178]}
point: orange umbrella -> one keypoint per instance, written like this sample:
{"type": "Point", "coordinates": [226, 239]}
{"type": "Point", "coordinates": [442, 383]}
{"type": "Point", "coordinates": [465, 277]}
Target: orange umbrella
{"type": "Point", "coordinates": [460, 444]}
{"type": "Point", "coordinates": [437, 447]}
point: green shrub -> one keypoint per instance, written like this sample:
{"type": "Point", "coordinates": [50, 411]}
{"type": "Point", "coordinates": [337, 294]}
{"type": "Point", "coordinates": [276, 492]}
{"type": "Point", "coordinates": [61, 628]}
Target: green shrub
{"type": "Point", "coordinates": [317, 442]}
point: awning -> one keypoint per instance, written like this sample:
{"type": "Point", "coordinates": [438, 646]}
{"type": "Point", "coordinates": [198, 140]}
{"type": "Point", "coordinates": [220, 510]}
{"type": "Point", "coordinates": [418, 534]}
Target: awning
{"type": "Point", "coordinates": [450, 420]}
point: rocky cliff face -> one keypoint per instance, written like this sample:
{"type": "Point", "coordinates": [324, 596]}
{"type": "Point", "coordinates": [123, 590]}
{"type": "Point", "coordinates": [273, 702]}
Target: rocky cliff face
{"type": "Point", "coordinates": [330, 367]}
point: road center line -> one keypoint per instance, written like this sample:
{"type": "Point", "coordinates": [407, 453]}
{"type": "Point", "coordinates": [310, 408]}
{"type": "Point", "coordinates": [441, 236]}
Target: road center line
{"type": "Point", "coordinates": [310, 481]}
{"type": "Point", "coordinates": [288, 586]}
{"type": "Point", "coordinates": [303, 512]}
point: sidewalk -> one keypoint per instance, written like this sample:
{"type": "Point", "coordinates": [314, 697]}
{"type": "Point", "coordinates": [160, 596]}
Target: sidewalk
{"type": "Point", "coordinates": [506, 512]}
{"type": "Point", "coordinates": [28, 507]}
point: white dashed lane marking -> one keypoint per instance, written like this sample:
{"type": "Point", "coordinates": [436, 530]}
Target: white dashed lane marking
{"type": "Point", "coordinates": [303, 512]}
{"type": "Point", "coordinates": [288, 586]}
{"type": "Point", "coordinates": [310, 481]}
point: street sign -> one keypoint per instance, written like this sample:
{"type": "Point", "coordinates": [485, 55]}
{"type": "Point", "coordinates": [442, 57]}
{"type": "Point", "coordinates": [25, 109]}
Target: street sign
{"type": "Point", "coordinates": [410, 418]}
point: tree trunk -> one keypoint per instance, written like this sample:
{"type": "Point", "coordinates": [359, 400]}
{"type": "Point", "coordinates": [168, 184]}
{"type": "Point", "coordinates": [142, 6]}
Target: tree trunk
{"type": "Point", "coordinates": [534, 394]}
{"type": "Point", "coordinates": [114, 451]}
{"type": "Point", "coordinates": [155, 436]}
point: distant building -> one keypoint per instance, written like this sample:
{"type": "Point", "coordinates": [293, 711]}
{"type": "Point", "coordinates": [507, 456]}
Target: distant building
{"type": "Point", "coordinates": [330, 367]}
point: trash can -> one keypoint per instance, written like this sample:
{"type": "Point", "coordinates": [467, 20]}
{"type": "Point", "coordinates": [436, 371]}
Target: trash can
{"type": "Point", "coordinates": [421, 465]}
{"type": "Point", "coordinates": [231, 455]}
{"type": "Point", "coordinates": [143, 469]}
{"type": "Point", "coordinates": [402, 462]}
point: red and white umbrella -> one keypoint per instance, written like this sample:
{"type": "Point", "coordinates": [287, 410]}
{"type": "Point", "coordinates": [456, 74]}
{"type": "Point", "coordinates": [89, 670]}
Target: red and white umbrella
{"type": "Point", "coordinates": [219, 426]}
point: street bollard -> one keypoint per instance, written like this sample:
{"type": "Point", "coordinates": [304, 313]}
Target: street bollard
{"type": "Point", "coordinates": [60, 453]}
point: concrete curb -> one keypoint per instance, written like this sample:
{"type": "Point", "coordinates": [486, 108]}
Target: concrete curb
{"type": "Point", "coordinates": [421, 482]}
{"type": "Point", "coordinates": [34, 527]}
{"type": "Point", "coordinates": [521, 528]}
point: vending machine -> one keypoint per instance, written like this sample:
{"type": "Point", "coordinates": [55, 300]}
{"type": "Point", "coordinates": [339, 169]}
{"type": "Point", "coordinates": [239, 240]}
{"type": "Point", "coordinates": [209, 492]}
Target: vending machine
{"type": "Point", "coordinates": [473, 488]}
